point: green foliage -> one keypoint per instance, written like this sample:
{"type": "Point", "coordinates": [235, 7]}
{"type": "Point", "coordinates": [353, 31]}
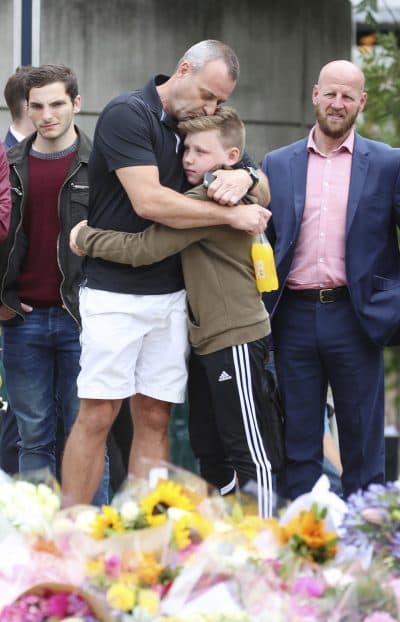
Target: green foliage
{"type": "Point", "coordinates": [381, 121]}
{"type": "Point", "coordinates": [381, 66]}
{"type": "Point", "coordinates": [368, 9]}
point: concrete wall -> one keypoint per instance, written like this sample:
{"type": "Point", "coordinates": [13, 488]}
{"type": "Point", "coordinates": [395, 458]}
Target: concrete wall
{"type": "Point", "coordinates": [115, 45]}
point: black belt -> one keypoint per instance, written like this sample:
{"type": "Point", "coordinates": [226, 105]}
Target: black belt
{"type": "Point", "coordinates": [325, 295]}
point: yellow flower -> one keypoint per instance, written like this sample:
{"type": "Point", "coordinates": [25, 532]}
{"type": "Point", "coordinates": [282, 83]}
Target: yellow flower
{"type": "Point", "coordinates": [128, 578]}
{"type": "Point", "coordinates": [149, 600]}
{"type": "Point", "coordinates": [190, 529]}
{"type": "Point", "coordinates": [106, 523]}
{"type": "Point", "coordinates": [309, 528]}
{"type": "Point", "coordinates": [94, 567]}
{"type": "Point", "coordinates": [149, 569]}
{"type": "Point", "coordinates": [120, 596]}
{"type": "Point", "coordinates": [273, 525]}
{"type": "Point", "coordinates": [250, 526]}
{"type": "Point", "coordinates": [167, 495]}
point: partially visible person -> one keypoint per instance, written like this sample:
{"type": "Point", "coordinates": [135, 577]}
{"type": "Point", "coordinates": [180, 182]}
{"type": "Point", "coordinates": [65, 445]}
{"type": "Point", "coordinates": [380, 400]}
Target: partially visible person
{"type": "Point", "coordinates": [335, 211]}
{"type": "Point", "coordinates": [8, 429]}
{"type": "Point", "coordinates": [14, 94]}
{"type": "Point", "coordinates": [134, 322]}
{"type": "Point", "coordinates": [21, 126]}
{"type": "Point", "coordinates": [228, 323]}
{"type": "Point", "coordinates": [39, 274]}
{"type": "Point", "coordinates": [5, 195]}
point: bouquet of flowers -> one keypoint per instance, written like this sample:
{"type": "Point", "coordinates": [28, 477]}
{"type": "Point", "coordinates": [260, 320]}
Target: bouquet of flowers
{"type": "Point", "coordinates": [54, 602]}
{"type": "Point", "coordinates": [372, 524]}
{"type": "Point", "coordinates": [144, 516]}
{"type": "Point", "coordinates": [144, 537]}
{"type": "Point", "coordinates": [29, 506]}
{"type": "Point", "coordinates": [131, 583]}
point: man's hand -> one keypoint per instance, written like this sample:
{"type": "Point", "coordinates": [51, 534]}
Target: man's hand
{"type": "Point", "coordinates": [8, 314]}
{"type": "Point", "coordinates": [230, 186]}
{"type": "Point", "coordinates": [72, 239]}
{"type": "Point", "coordinates": [250, 218]}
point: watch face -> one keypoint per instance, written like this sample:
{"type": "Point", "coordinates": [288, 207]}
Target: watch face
{"type": "Point", "coordinates": [253, 174]}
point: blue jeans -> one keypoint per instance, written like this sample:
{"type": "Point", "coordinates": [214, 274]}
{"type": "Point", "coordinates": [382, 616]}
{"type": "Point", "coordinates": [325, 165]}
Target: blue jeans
{"type": "Point", "coordinates": [41, 363]}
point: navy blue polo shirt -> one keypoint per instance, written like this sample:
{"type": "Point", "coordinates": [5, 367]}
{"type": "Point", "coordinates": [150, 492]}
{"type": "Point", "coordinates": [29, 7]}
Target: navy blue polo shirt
{"type": "Point", "coordinates": [133, 130]}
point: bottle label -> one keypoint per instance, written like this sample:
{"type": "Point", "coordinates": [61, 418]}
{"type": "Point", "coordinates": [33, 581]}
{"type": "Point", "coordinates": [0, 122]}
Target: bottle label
{"type": "Point", "coordinates": [259, 269]}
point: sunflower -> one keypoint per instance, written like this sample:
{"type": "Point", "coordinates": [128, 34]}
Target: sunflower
{"type": "Point", "coordinates": [166, 495]}
{"type": "Point", "coordinates": [190, 529]}
{"type": "Point", "coordinates": [106, 523]}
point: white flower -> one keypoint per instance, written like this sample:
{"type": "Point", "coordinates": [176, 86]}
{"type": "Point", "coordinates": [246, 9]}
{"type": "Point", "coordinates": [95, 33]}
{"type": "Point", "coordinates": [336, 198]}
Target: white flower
{"type": "Point", "coordinates": [27, 507]}
{"type": "Point", "coordinates": [84, 520]}
{"type": "Point", "coordinates": [129, 511]}
{"type": "Point", "coordinates": [176, 513]}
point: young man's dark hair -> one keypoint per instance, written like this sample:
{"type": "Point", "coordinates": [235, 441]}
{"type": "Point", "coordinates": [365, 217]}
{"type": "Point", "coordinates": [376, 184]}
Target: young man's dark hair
{"type": "Point", "coordinates": [14, 92]}
{"type": "Point", "coordinates": [47, 74]}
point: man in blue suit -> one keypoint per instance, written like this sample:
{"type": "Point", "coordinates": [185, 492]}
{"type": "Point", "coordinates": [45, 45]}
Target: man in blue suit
{"type": "Point", "coordinates": [335, 207]}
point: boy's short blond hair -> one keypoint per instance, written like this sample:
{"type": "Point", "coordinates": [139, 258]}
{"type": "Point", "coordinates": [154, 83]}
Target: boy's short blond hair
{"type": "Point", "coordinates": [226, 120]}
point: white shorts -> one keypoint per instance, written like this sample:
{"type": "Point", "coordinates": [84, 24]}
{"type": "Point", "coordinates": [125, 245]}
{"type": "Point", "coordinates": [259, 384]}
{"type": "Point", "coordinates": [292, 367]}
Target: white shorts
{"type": "Point", "coordinates": [133, 344]}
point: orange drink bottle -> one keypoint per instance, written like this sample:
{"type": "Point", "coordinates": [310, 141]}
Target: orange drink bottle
{"type": "Point", "coordinates": [264, 264]}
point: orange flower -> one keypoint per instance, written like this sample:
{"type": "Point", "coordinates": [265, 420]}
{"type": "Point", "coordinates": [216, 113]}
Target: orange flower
{"type": "Point", "coordinates": [308, 531]}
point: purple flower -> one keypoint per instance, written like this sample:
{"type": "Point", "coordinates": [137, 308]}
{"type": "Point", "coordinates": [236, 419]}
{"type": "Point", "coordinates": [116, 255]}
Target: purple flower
{"type": "Point", "coordinates": [77, 606]}
{"type": "Point", "coordinates": [373, 519]}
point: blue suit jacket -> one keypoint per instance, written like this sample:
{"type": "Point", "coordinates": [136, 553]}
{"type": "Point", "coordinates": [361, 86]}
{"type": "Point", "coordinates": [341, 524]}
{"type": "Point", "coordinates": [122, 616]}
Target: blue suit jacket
{"type": "Point", "coordinates": [9, 140]}
{"type": "Point", "coordinates": [373, 211]}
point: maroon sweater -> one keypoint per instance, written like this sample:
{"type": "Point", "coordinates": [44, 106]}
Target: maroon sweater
{"type": "Point", "coordinates": [39, 280]}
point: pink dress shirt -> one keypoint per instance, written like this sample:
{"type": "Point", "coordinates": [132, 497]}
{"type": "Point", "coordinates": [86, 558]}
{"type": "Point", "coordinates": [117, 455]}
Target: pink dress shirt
{"type": "Point", "coordinates": [319, 256]}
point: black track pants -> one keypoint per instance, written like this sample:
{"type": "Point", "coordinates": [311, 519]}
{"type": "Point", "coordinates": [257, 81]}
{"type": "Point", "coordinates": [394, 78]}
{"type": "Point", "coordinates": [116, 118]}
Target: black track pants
{"type": "Point", "coordinates": [226, 402]}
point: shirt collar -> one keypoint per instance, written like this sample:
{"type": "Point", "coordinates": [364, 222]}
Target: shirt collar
{"type": "Point", "coordinates": [347, 145]}
{"type": "Point", "coordinates": [152, 98]}
{"type": "Point", "coordinates": [17, 135]}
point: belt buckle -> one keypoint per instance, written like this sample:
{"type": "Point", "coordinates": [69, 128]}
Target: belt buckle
{"type": "Point", "coordinates": [322, 294]}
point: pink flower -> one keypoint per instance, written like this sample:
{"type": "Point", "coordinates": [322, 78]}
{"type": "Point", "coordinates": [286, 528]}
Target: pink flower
{"type": "Point", "coordinates": [112, 565]}
{"type": "Point", "coordinates": [379, 616]}
{"type": "Point", "coordinates": [308, 586]}
{"type": "Point", "coordinates": [57, 605]}
{"type": "Point", "coordinates": [376, 516]}
{"type": "Point", "coordinates": [29, 608]}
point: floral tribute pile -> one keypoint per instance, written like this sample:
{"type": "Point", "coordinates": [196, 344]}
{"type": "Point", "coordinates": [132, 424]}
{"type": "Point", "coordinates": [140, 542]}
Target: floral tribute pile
{"type": "Point", "coordinates": [168, 550]}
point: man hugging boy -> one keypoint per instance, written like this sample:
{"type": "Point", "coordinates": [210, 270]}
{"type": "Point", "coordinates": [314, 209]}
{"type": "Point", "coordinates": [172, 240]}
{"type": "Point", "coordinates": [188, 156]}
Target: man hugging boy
{"type": "Point", "coordinates": [228, 323]}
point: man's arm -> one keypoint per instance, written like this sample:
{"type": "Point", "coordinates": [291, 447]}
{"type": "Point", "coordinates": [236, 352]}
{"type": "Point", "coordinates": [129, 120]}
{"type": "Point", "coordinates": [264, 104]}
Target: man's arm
{"type": "Point", "coordinates": [231, 186]}
{"type": "Point", "coordinates": [5, 195]}
{"type": "Point", "coordinates": [136, 249]}
{"type": "Point", "coordinates": [155, 202]}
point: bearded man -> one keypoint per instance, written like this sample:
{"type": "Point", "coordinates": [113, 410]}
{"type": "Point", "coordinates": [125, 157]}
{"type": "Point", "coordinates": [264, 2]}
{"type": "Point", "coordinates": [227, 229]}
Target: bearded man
{"type": "Point", "coordinates": [335, 210]}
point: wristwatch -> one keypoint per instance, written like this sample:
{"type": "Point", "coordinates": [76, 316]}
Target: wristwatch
{"type": "Point", "coordinates": [254, 176]}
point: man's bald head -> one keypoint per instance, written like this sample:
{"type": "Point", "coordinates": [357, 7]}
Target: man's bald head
{"type": "Point", "coordinates": [342, 71]}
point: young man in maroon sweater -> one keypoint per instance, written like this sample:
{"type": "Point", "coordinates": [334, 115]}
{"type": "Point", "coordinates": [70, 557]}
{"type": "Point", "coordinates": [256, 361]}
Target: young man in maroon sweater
{"type": "Point", "coordinates": [39, 274]}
